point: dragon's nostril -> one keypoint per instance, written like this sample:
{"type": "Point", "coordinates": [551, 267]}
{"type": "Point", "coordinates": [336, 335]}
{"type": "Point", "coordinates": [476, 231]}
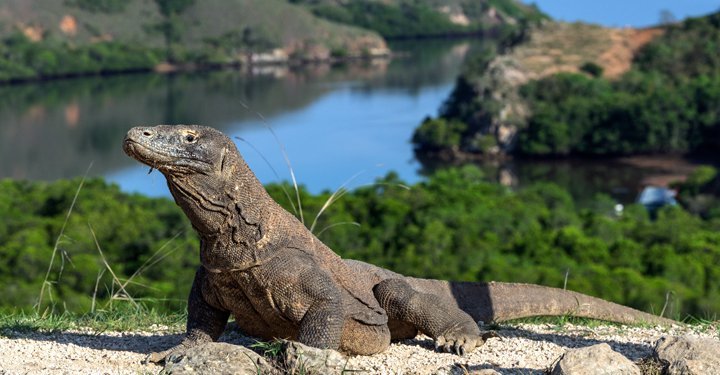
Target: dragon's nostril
{"type": "Point", "coordinates": [147, 133]}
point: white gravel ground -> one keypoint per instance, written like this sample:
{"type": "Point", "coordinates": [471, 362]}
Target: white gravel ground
{"type": "Point", "coordinates": [520, 349]}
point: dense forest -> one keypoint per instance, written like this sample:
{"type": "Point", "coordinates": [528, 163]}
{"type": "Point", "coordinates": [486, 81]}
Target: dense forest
{"type": "Point", "coordinates": [456, 225]}
{"type": "Point", "coordinates": [667, 103]}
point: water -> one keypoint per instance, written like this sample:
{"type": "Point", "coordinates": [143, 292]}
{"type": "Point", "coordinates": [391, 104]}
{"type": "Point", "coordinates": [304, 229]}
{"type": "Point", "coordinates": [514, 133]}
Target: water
{"type": "Point", "coordinates": [333, 122]}
{"type": "Point", "coordinates": [340, 125]}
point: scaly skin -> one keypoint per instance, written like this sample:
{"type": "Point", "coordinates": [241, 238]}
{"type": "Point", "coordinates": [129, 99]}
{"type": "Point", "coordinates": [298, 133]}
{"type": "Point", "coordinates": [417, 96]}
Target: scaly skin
{"type": "Point", "coordinates": [262, 265]}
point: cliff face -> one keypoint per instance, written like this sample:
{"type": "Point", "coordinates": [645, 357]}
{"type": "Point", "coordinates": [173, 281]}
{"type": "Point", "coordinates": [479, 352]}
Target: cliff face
{"type": "Point", "coordinates": [550, 49]}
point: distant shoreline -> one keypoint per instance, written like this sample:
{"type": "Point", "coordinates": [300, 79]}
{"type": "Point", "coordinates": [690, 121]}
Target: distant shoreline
{"type": "Point", "coordinates": [261, 60]}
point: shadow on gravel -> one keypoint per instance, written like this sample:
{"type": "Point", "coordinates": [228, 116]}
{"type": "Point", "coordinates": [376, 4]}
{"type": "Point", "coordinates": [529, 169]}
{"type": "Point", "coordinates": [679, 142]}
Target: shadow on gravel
{"type": "Point", "coordinates": [148, 343]}
{"type": "Point", "coordinates": [574, 339]}
{"type": "Point", "coordinates": [142, 343]}
{"type": "Point", "coordinates": [131, 342]}
{"type": "Point", "coordinates": [568, 339]}
{"type": "Point", "coordinates": [503, 371]}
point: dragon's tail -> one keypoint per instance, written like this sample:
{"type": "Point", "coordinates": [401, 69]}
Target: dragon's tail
{"type": "Point", "coordinates": [496, 302]}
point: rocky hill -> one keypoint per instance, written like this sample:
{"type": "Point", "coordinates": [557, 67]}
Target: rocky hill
{"type": "Point", "coordinates": [426, 18]}
{"type": "Point", "coordinates": [583, 89]}
{"type": "Point", "coordinates": [40, 39]}
{"type": "Point", "coordinates": [200, 24]}
{"type": "Point", "coordinates": [554, 48]}
{"type": "Point", "coordinates": [49, 38]}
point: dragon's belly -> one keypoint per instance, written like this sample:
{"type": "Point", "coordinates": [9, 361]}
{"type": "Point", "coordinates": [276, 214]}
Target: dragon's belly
{"type": "Point", "coordinates": [256, 310]}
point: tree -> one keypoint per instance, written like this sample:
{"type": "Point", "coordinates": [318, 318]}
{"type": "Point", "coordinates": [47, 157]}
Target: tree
{"type": "Point", "coordinates": [667, 17]}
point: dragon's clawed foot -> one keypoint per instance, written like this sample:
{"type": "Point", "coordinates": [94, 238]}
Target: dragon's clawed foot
{"type": "Point", "coordinates": [461, 339]}
{"type": "Point", "coordinates": [165, 356]}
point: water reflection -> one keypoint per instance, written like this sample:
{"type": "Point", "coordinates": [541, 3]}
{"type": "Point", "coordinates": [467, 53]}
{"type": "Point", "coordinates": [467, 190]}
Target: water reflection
{"type": "Point", "coordinates": [334, 122]}
{"type": "Point", "coordinates": [366, 110]}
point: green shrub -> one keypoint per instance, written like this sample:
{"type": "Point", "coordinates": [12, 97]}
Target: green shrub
{"type": "Point", "coordinates": [592, 68]}
{"type": "Point", "coordinates": [452, 226]}
{"type": "Point", "coordinates": [438, 134]}
{"type": "Point", "coordinates": [21, 59]}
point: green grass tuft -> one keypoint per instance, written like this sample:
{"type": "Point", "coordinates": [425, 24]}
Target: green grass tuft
{"type": "Point", "coordinates": [121, 318]}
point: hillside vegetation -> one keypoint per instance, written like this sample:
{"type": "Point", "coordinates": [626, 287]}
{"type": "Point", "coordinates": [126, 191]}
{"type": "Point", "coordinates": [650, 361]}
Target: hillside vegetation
{"type": "Point", "coordinates": [61, 38]}
{"type": "Point", "coordinates": [427, 18]}
{"type": "Point", "coordinates": [454, 226]}
{"type": "Point", "coordinates": [41, 39]}
{"type": "Point", "coordinates": [658, 95]}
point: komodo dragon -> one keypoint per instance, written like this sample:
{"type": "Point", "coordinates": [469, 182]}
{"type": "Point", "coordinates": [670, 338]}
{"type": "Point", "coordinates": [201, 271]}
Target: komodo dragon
{"type": "Point", "coordinates": [265, 267]}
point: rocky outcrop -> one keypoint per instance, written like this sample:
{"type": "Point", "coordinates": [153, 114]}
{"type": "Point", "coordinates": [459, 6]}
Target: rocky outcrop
{"type": "Point", "coordinates": [311, 360]}
{"type": "Point", "coordinates": [688, 355]}
{"type": "Point", "coordinates": [219, 358]}
{"type": "Point", "coordinates": [598, 359]}
{"type": "Point", "coordinates": [672, 355]}
{"type": "Point", "coordinates": [552, 48]}
{"type": "Point", "coordinates": [224, 358]}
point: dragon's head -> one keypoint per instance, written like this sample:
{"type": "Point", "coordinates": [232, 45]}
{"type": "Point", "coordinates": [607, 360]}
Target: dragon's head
{"type": "Point", "coordinates": [202, 167]}
{"type": "Point", "coordinates": [178, 149]}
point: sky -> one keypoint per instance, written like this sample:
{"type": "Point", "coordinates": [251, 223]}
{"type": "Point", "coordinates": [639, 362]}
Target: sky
{"type": "Point", "coordinates": [619, 13]}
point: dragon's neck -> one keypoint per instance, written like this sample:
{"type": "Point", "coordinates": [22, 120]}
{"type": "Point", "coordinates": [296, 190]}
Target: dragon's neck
{"type": "Point", "coordinates": [227, 212]}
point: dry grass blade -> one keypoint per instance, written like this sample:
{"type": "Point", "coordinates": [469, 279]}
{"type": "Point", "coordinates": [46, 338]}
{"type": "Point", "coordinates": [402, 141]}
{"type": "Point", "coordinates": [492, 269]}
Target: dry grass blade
{"type": "Point", "coordinates": [667, 302]}
{"type": "Point", "coordinates": [97, 283]}
{"type": "Point", "coordinates": [282, 186]}
{"type": "Point", "coordinates": [285, 156]}
{"type": "Point", "coordinates": [355, 223]}
{"type": "Point", "coordinates": [116, 295]}
{"type": "Point", "coordinates": [152, 260]}
{"type": "Point", "coordinates": [339, 192]}
{"type": "Point", "coordinates": [45, 283]}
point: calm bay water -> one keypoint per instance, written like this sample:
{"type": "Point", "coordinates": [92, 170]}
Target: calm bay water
{"type": "Point", "coordinates": [339, 125]}
{"type": "Point", "coordinates": [333, 122]}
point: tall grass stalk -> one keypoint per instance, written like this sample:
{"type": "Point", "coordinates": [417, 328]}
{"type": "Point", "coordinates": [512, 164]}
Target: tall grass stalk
{"type": "Point", "coordinates": [122, 293]}
{"type": "Point", "coordinates": [125, 295]}
{"type": "Point", "coordinates": [285, 156]}
{"type": "Point", "coordinates": [47, 283]}
{"type": "Point", "coordinates": [337, 194]}
{"type": "Point", "coordinates": [287, 194]}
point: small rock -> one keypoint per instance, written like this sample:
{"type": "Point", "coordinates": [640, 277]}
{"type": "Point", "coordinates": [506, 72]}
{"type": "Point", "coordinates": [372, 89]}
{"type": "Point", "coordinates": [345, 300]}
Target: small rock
{"type": "Point", "coordinates": [309, 360]}
{"type": "Point", "coordinates": [594, 360]}
{"type": "Point", "coordinates": [218, 358]}
{"type": "Point", "coordinates": [688, 355]}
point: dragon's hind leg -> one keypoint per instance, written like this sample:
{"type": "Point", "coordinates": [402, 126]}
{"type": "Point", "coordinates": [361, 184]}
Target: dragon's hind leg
{"type": "Point", "coordinates": [452, 329]}
{"type": "Point", "coordinates": [363, 339]}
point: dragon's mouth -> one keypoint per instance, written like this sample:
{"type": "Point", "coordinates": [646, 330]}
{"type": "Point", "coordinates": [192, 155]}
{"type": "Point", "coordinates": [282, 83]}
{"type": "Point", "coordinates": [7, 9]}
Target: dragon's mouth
{"type": "Point", "coordinates": [142, 153]}
{"type": "Point", "coordinates": [162, 161]}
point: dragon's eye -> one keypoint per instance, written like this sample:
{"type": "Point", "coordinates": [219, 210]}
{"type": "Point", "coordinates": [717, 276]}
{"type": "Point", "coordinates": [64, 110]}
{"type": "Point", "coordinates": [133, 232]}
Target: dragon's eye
{"type": "Point", "coordinates": [190, 138]}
